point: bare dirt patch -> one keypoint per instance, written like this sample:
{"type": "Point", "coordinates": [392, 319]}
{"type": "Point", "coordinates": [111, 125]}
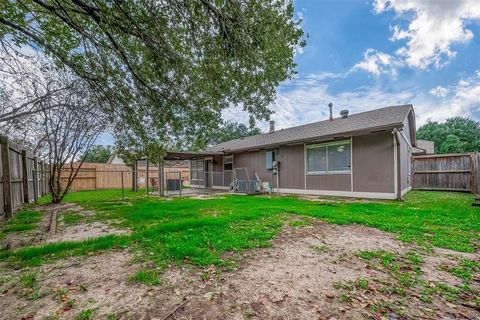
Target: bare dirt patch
{"type": "Point", "coordinates": [297, 277]}
{"type": "Point", "coordinates": [83, 231]}
{"type": "Point", "coordinates": [53, 227]}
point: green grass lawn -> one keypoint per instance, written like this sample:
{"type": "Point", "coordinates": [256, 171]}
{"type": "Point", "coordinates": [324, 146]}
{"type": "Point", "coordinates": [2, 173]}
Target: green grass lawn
{"type": "Point", "coordinates": [199, 231]}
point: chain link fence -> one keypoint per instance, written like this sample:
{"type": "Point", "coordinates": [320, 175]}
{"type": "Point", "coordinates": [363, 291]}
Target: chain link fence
{"type": "Point", "coordinates": [121, 184]}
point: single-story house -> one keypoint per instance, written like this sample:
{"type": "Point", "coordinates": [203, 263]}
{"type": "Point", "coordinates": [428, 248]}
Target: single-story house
{"type": "Point", "coordinates": [364, 155]}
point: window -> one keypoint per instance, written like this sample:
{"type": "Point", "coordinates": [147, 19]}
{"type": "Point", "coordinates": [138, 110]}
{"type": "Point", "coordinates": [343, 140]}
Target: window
{"type": "Point", "coordinates": [228, 163]}
{"type": "Point", "coordinates": [327, 158]}
{"type": "Point", "coordinates": [269, 157]}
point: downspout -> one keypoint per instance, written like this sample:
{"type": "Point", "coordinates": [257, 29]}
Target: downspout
{"type": "Point", "coordinates": [396, 134]}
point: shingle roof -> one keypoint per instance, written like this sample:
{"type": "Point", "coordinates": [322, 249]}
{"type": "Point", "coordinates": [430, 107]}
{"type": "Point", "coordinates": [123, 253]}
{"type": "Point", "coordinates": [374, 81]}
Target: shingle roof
{"type": "Point", "coordinates": [388, 117]}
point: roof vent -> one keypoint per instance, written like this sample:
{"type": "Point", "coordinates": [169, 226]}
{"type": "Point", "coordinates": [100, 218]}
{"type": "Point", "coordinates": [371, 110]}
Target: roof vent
{"type": "Point", "coordinates": [330, 105]}
{"type": "Point", "coordinates": [272, 126]}
{"type": "Point", "coordinates": [344, 113]}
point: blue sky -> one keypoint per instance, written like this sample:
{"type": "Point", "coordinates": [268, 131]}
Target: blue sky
{"type": "Point", "coordinates": [362, 55]}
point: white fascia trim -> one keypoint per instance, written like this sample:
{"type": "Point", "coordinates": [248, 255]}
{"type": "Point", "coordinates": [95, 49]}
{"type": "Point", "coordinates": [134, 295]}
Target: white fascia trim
{"type": "Point", "coordinates": [395, 164]}
{"type": "Point", "coordinates": [404, 191]}
{"type": "Point", "coordinates": [348, 194]}
{"type": "Point", "coordinates": [220, 187]}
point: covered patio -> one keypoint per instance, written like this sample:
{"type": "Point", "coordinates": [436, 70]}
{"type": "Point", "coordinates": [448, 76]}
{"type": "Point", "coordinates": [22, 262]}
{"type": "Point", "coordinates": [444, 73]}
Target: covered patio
{"type": "Point", "coordinates": [209, 172]}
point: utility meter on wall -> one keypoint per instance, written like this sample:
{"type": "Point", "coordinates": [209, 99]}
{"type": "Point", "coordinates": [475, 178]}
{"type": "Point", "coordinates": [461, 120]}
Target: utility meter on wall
{"type": "Point", "coordinates": [275, 166]}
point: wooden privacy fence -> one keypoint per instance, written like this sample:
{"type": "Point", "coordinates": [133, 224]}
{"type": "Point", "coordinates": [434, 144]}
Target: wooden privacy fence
{"type": "Point", "coordinates": [447, 172]}
{"type": "Point", "coordinates": [20, 181]}
{"type": "Point", "coordinates": [95, 176]}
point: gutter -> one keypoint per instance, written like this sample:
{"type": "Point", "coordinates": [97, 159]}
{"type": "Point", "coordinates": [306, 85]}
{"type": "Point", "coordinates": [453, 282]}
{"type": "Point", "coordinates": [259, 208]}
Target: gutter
{"type": "Point", "coordinates": [396, 135]}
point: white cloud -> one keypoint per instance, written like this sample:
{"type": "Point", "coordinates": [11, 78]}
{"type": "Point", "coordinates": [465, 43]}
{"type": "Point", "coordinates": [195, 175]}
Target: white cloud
{"type": "Point", "coordinates": [305, 100]}
{"type": "Point", "coordinates": [434, 25]}
{"type": "Point", "coordinates": [376, 63]}
{"type": "Point", "coordinates": [439, 91]}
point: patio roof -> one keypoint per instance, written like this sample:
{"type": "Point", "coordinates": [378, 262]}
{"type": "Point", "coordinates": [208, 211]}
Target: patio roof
{"type": "Point", "coordinates": [189, 155]}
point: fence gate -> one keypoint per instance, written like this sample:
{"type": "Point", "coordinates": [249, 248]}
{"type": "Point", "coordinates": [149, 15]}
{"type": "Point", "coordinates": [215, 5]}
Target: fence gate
{"type": "Point", "coordinates": [447, 172]}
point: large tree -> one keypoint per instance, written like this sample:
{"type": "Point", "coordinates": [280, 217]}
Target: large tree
{"type": "Point", "coordinates": [97, 154]}
{"type": "Point", "coordinates": [227, 130]}
{"type": "Point", "coordinates": [453, 136]}
{"type": "Point", "coordinates": [164, 69]}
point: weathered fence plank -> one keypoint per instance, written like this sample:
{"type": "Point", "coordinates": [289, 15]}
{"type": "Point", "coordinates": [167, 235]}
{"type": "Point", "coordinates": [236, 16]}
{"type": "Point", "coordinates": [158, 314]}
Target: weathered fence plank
{"type": "Point", "coordinates": [19, 181]}
{"type": "Point", "coordinates": [6, 178]}
{"type": "Point", "coordinates": [26, 197]}
{"type": "Point", "coordinates": [449, 172]}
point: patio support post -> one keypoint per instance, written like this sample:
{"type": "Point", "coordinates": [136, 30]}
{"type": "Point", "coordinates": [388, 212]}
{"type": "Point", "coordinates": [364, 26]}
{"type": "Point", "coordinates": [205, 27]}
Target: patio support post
{"type": "Point", "coordinates": [146, 178]}
{"type": "Point", "coordinates": [160, 177]}
{"type": "Point", "coordinates": [163, 180]}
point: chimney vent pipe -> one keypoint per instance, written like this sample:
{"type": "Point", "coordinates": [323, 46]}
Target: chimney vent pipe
{"type": "Point", "coordinates": [330, 105]}
{"type": "Point", "coordinates": [272, 126]}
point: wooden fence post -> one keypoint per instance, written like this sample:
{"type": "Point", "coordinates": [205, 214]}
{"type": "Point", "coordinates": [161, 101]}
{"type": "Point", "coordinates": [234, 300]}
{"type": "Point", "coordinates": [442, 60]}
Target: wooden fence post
{"type": "Point", "coordinates": [26, 198]}
{"type": "Point", "coordinates": [476, 173]}
{"type": "Point", "coordinates": [35, 179]}
{"type": "Point", "coordinates": [45, 176]}
{"type": "Point", "coordinates": [7, 182]}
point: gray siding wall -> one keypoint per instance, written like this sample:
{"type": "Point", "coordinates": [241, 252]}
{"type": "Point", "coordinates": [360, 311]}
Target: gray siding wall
{"type": "Point", "coordinates": [373, 167]}
{"type": "Point", "coordinates": [330, 182]}
{"type": "Point", "coordinates": [373, 163]}
{"type": "Point", "coordinates": [254, 160]}
{"type": "Point", "coordinates": [292, 167]}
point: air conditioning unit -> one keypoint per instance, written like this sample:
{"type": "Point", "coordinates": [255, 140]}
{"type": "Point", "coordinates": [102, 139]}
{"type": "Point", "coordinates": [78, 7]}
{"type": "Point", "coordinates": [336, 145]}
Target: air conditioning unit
{"type": "Point", "coordinates": [246, 186]}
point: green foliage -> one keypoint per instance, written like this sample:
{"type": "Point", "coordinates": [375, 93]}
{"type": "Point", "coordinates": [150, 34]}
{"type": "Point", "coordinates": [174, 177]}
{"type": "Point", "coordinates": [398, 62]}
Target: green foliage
{"type": "Point", "coordinates": [70, 218]}
{"type": "Point", "coordinates": [386, 258]}
{"type": "Point", "coordinates": [148, 277]}
{"type": "Point", "coordinates": [228, 131]}
{"type": "Point", "coordinates": [320, 248]}
{"type": "Point", "coordinates": [361, 284]}
{"type": "Point", "coordinates": [453, 136]}
{"type": "Point", "coordinates": [344, 298]}
{"type": "Point", "coordinates": [86, 314]}
{"type": "Point", "coordinates": [97, 154]}
{"type": "Point", "coordinates": [21, 221]}
{"type": "Point", "coordinates": [299, 223]}
{"type": "Point", "coordinates": [465, 269]}
{"type": "Point", "coordinates": [28, 280]}
{"type": "Point", "coordinates": [165, 69]}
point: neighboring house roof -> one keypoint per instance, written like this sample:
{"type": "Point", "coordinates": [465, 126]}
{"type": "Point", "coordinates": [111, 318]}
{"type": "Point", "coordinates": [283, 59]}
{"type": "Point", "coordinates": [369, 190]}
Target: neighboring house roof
{"type": "Point", "coordinates": [428, 146]}
{"type": "Point", "coordinates": [424, 147]}
{"type": "Point", "coordinates": [355, 124]}
{"type": "Point", "coordinates": [115, 159]}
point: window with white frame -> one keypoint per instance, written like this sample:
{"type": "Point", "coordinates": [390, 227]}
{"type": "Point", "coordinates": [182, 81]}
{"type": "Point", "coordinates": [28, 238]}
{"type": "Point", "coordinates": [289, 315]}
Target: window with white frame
{"type": "Point", "coordinates": [269, 158]}
{"type": "Point", "coordinates": [334, 157]}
